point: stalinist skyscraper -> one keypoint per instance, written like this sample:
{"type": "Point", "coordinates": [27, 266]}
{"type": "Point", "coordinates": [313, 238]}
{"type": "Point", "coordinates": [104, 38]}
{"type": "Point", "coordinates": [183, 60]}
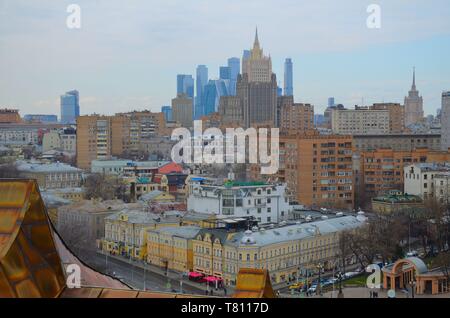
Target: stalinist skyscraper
{"type": "Point", "coordinates": [257, 88]}
{"type": "Point", "coordinates": [413, 105]}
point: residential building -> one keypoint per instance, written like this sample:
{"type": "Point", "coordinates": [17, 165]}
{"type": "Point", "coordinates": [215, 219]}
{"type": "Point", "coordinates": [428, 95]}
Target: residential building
{"type": "Point", "coordinates": [101, 137]}
{"type": "Point", "coordinates": [126, 232]}
{"type": "Point", "coordinates": [296, 118]}
{"type": "Point", "coordinates": [86, 219]}
{"type": "Point", "coordinates": [361, 120]}
{"type": "Point", "coordinates": [428, 180]}
{"type": "Point", "coordinates": [445, 121]}
{"type": "Point", "coordinates": [318, 169]}
{"type": "Point", "coordinates": [182, 110]}
{"type": "Point", "coordinates": [286, 251]}
{"type": "Point", "coordinates": [171, 247]}
{"type": "Point", "coordinates": [70, 107]}
{"type": "Point", "coordinates": [266, 202]}
{"type": "Point", "coordinates": [288, 78]}
{"type": "Point", "coordinates": [396, 116]}
{"type": "Point", "coordinates": [397, 142]}
{"type": "Point", "coordinates": [51, 175]}
{"type": "Point", "coordinates": [25, 133]}
{"type": "Point", "coordinates": [413, 105]}
{"type": "Point", "coordinates": [64, 140]}
{"type": "Point", "coordinates": [9, 116]}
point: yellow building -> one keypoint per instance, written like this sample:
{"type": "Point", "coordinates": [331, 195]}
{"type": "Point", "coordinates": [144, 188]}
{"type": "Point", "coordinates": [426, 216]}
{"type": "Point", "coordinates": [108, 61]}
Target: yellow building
{"type": "Point", "coordinates": [171, 247]}
{"type": "Point", "coordinates": [286, 251]}
{"type": "Point", "coordinates": [126, 232]}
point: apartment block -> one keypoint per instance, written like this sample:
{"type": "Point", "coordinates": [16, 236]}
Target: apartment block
{"type": "Point", "coordinates": [296, 118]}
{"type": "Point", "coordinates": [428, 180]}
{"type": "Point", "coordinates": [397, 142]}
{"type": "Point", "coordinates": [396, 116]}
{"type": "Point", "coordinates": [361, 120]}
{"type": "Point", "coordinates": [318, 169]}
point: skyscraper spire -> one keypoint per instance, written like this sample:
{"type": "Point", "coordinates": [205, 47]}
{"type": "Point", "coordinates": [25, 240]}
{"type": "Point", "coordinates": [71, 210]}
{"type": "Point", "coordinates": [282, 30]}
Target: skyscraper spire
{"type": "Point", "coordinates": [256, 44]}
{"type": "Point", "coordinates": [414, 79]}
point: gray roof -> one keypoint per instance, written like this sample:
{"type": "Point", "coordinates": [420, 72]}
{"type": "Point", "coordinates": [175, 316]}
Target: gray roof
{"type": "Point", "coordinates": [151, 195]}
{"type": "Point", "coordinates": [297, 231]}
{"type": "Point", "coordinates": [135, 217]}
{"type": "Point", "coordinates": [42, 167]}
{"type": "Point", "coordinates": [188, 232]}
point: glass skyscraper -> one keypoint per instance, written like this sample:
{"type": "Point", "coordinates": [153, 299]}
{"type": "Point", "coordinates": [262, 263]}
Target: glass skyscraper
{"type": "Point", "coordinates": [70, 107]}
{"type": "Point", "coordinates": [288, 78]}
{"type": "Point", "coordinates": [185, 85]}
{"type": "Point", "coordinates": [213, 91]}
{"type": "Point", "coordinates": [167, 111]}
{"type": "Point", "coordinates": [224, 73]}
{"type": "Point", "coordinates": [201, 82]}
{"type": "Point", "coordinates": [234, 64]}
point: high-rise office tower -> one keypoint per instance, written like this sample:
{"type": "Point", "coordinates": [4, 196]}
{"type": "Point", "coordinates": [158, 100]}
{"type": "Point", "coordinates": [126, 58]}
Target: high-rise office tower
{"type": "Point", "coordinates": [445, 121]}
{"type": "Point", "coordinates": [70, 107]}
{"type": "Point", "coordinates": [234, 65]}
{"type": "Point", "coordinates": [280, 91]}
{"type": "Point", "coordinates": [288, 78]}
{"type": "Point", "coordinates": [185, 85]}
{"type": "Point", "coordinates": [213, 92]}
{"type": "Point", "coordinates": [257, 88]}
{"type": "Point", "coordinates": [413, 105]}
{"type": "Point", "coordinates": [331, 102]}
{"type": "Point", "coordinates": [201, 82]}
{"type": "Point", "coordinates": [224, 73]}
{"type": "Point", "coordinates": [167, 111]}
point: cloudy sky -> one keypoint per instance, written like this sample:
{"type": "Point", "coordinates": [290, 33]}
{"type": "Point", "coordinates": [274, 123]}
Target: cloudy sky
{"type": "Point", "coordinates": [127, 53]}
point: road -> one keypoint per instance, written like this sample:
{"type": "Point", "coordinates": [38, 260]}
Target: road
{"type": "Point", "coordinates": [134, 276]}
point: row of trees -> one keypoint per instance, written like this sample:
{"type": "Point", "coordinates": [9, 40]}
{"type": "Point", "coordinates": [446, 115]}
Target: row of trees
{"type": "Point", "coordinates": [387, 237]}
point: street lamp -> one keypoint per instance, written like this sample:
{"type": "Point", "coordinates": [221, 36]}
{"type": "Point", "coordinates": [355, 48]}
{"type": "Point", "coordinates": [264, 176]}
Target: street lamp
{"type": "Point", "coordinates": [318, 291]}
{"type": "Point", "coordinates": [340, 276]}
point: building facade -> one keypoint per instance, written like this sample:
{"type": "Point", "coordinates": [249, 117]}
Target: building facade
{"type": "Point", "coordinates": [9, 116]}
{"type": "Point", "coordinates": [296, 118]}
{"type": "Point", "coordinates": [361, 120]}
{"type": "Point", "coordinates": [288, 78]}
{"type": "Point", "coordinates": [266, 202]}
{"type": "Point", "coordinates": [286, 251]}
{"type": "Point", "coordinates": [318, 169]}
{"type": "Point", "coordinates": [182, 110]}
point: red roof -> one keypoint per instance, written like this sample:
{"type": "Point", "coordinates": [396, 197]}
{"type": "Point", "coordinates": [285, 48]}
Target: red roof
{"type": "Point", "coordinates": [170, 168]}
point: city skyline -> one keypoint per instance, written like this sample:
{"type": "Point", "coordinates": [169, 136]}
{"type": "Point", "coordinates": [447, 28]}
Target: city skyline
{"type": "Point", "coordinates": [350, 62]}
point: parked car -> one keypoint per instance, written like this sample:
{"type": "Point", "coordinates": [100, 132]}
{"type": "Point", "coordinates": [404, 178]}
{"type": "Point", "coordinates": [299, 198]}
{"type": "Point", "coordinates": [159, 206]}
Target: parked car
{"type": "Point", "coordinates": [297, 285]}
{"type": "Point", "coordinates": [412, 254]}
{"type": "Point", "coordinates": [312, 289]}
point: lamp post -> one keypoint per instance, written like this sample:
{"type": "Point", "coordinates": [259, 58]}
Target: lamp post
{"type": "Point", "coordinates": [340, 294]}
{"type": "Point", "coordinates": [318, 291]}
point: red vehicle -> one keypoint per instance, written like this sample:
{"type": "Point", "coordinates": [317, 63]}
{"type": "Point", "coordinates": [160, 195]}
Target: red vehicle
{"type": "Point", "coordinates": [197, 277]}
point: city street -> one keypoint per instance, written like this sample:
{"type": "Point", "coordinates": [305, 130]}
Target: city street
{"type": "Point", "coordinates": [133, 275]}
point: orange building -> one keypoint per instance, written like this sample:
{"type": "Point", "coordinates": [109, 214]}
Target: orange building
{"type": "Point", "coordinates": [318, 169]}
{"type": "Point", "coordinates": [9, 116]}
{"type": "Point", "coordinates": [100, 137]}
{"type": "Point", "coordinates": [396, 116]}
{"type": "Point", "coordinates": [379, 171]}
{"type": "Point", "coordinates": [296, 118]}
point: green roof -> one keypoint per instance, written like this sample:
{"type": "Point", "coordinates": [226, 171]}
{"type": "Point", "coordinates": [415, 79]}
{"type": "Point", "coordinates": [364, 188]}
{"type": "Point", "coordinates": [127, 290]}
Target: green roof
{"type": "Point", "coordinates": [244, 184]}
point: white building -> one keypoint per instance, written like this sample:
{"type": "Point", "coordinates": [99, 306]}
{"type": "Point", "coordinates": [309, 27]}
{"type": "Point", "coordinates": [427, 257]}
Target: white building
{"type": "Point", "coordinates": [268, 203]}
{"type": "Point", "coordinates": [119, 167]}
{"type": "Point", "coordinates": [445, 121]}
{"type": "Point", "coordinates": [427, 180]}
{"type": "Point", "coordinates": [362, 121]}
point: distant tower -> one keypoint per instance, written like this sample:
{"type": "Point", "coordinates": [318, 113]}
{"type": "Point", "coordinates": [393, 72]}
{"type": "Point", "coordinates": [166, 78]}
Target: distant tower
{"type": "Point", "coordinates": [257, 88]}
{"type": "Point", "coordinates": [413, 104]}
{"type": "Point", "coordinates": [70, 107]}
{"type": "Point", "coordinates": [201, 82]}
{"type": "Point", "coordinates": [288, 78]}
{"type": "Point", "coordinates": [445, 121]}
{"type": "Point", "coordinates": [234, 64]}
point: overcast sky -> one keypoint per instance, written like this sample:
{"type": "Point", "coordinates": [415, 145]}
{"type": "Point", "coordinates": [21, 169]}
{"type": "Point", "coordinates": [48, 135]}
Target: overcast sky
{"type": "Point", "coordinates": [127, 53]}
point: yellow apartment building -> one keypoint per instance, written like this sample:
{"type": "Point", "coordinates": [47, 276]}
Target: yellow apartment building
{"type": "Point", "coordinates": [171, 247]}
{"type": "Point", "coordinates": [286, 251]}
